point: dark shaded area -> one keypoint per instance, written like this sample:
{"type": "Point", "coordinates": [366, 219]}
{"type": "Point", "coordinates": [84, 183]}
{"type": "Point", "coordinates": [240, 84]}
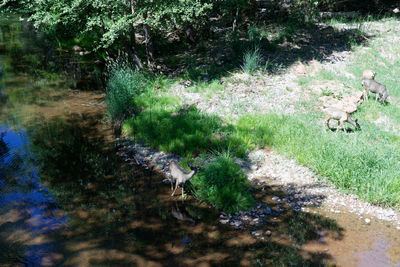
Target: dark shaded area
{"type": "Point", "coordinates": [288, 42]}
{"type": "Point", "coordinates": [121, 214]}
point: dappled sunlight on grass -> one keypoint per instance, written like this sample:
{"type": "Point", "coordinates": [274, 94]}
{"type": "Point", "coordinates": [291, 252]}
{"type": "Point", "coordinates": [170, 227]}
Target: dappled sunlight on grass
{"type": "Point", "coordinates": [185, 131]}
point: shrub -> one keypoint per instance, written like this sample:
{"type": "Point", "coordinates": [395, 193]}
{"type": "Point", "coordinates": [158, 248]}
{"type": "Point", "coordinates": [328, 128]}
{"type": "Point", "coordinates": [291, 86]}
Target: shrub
{"type": "Point", "coordinates": [123, 86]}
{"type": "Point", "coordinates": [224, 184]}
{"type": "Point", "coordinates": [251, 61]}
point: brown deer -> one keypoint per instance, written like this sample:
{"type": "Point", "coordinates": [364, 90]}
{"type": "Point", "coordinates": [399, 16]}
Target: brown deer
{"type": "Point", "coordinates": [375, 87]}
{"type": "Point", "coordinates": [339, 115]}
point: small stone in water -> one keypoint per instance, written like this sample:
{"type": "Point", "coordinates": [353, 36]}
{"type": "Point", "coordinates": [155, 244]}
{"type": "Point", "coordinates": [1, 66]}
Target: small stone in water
{"type": "Point", "coordinates": [237, 223]}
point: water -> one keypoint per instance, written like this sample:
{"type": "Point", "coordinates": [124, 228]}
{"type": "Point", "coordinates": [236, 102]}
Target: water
{"type": "Point", "coordinates": [67, 199]}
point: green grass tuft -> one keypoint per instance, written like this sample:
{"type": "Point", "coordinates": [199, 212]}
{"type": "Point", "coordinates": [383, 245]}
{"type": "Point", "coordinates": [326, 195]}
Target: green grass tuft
{"type": "Point", "coordinates": [224, 184]}
{"type": "Point", "coordinates": [123, 86]}
{"type": "Point", "coordinates": [251, 61]}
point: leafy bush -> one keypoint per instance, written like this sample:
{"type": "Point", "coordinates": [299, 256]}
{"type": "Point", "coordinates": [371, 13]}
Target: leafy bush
{"type": "Point", "coordinates": [251, 61]}
{"type": "Point", "coordinates": [123, 86]}
{"type": "Point", "coordinates": [224, 184]}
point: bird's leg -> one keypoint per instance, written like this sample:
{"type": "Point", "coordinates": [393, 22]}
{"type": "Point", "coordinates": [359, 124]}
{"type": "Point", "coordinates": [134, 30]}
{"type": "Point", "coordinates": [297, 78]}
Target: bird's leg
{"type": "Point", "coordinates": [176, 186]}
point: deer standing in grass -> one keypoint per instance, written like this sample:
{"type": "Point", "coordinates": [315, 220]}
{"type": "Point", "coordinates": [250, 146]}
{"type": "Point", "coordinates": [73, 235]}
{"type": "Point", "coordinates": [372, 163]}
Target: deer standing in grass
{"type": "Point", "coordinates": [375, 87]}
{"type": "Point", "coordinates": [180, 175]}
{"type": "Point", "coordinates": [339, 115]}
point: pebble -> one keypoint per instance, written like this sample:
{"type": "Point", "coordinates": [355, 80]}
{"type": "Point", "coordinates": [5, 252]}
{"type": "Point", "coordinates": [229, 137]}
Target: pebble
{"type": "Point", "coordinates": [236, 223]}
{"type": "Point", "coordinates": [267, 211]}
{"type": "Point", "coordinates": [367, 221]}
{"type": "Point", "coordinates": [223, 221]}
{"type": "Point", "coordinates": [268, 233]}
{"type": "Point", "coordinates": [255, 233]}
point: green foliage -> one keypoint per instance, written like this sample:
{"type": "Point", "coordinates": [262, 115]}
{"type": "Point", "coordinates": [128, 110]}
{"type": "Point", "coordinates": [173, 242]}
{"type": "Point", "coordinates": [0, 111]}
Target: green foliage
{"type": "Point", "coordinates": [112, 23]}
{"type": "Point", "coordinates": [122, 88]}
{"type": "Point", "coordinates": [305, 10]}
{"type": "Point", "coordinates": [223, 184]}
{"type": "Point", "coordinates": [251, 61]}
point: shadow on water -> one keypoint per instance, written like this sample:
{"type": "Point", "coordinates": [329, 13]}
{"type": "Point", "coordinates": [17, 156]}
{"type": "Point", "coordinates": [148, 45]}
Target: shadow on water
{"type": "Point", "coordinates": [121, 215]}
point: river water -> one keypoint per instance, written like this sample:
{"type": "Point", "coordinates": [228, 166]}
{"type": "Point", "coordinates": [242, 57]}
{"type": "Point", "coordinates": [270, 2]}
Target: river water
{"type": "Point", "coordinates": [68, 199]}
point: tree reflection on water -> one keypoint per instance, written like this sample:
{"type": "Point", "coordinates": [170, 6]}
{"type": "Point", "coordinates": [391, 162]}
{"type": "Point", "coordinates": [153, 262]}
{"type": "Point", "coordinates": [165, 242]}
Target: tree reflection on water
{"type": "Point", "coordinates": [28, 212]}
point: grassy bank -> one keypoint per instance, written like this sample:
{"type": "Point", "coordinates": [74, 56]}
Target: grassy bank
{"type": "Point", "coordinates": [363, 162]}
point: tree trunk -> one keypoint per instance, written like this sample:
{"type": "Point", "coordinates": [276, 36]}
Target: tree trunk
{"type": "Point", "coordinates": [235, 20]}
{"type": "Point", "coordinates": [149, 46]}
{"type": "Point", "coordinates": [132, 53]}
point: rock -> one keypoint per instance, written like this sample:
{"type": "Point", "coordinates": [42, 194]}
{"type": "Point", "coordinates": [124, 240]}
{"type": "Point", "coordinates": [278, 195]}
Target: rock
{"type": "Point", "coordinates": [268, 233]}
{"type": "Point", "coordinates": [299, 68]}
{"type": "Point", "coordinates": [187, 83]}
{"type": "Point", "coordinates": [77, 48]}
{"type": "Point", "coordinates": [367, 221]}
{"type": "Point", "coordinates": [275, 199]}
{"type": "Point", "coordinates": [256, 233]}
{"type": "Point", "coordinates": [245, 218]}
{"type": "Point", "coordinates": [396, 10]}
{"type": "Point", "coordinates": [315, 66]}
{"type": "Point", "coordinates": [236, 223]}
{"type": "Point", "coordinates": [340, 14]}
{"type": "Point", "coordinates": [224, 221]}
{"type": "Point", "coordinates": [267, 211]}
{"type": "Point", "coordinates": [347, 103]}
